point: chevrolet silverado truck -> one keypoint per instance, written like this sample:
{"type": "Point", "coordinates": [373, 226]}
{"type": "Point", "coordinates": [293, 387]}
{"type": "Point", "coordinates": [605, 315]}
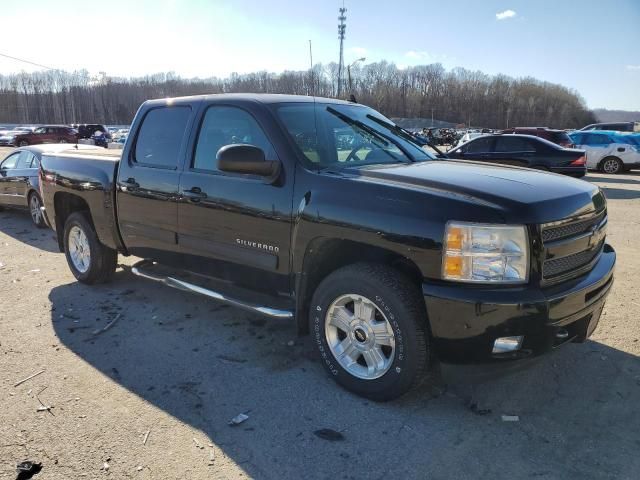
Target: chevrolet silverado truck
{"type": "Point", "coordinates": [327, 213]}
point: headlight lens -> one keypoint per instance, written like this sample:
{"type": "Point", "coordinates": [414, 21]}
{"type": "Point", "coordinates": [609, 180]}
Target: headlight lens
{"type": "Point", "coordinates": [485, 253]}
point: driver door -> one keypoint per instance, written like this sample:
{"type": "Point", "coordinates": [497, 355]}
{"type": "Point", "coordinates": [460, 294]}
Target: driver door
{"type": "Point", "coordinates": [8, 192]}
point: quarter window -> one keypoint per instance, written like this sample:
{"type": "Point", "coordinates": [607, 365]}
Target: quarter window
{"type": "Point", "coordinates": [222, 126]}
{"type": "Point", "coordinates": [161, 136]}
{"type": "Point", "coordinates": [24, 160]}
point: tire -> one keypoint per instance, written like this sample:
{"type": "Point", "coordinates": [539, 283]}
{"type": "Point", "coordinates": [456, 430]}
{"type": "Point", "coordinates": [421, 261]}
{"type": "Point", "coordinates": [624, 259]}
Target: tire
{"type": "Point", "coordinates": [611, 165]}
{"type": "Point", "coordinates": [35, 202]}
{"type": "Point", "coordinates": [62, 140]}
{"type": "Point", "coordinates": [23, 143]}
{"type": "Point", "coordinates": [399, 313]}
{"type": "Point", "coordinates": [100, 264]}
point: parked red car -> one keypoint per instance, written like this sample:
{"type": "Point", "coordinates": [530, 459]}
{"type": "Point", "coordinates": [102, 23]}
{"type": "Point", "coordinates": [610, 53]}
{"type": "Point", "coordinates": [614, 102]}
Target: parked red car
{"type": "Point", "coordinates": [43, 134]}
{"type": "Point", "coordinates": [559, 137]}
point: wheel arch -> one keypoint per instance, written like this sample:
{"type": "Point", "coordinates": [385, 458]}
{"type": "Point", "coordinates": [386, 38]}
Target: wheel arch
{"type": "Point", "coordinates": [65, 204]}
{"type": "Point", "coordinates": [324, 255]}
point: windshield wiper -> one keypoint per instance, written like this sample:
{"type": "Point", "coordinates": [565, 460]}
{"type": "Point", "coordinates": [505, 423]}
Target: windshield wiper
{"type": "Point", "coordinates": [384, 139]}
{"type": "Point", "coordinates": [403, 133]}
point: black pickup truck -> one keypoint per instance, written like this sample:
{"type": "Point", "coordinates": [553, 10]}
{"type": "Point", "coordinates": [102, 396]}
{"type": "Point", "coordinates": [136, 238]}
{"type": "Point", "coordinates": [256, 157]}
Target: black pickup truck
{"type": "Point", "coordinates": [327, 213]}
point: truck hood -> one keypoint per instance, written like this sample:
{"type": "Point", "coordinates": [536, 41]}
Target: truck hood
{"type": "Point", "coordinates": [523, 195]}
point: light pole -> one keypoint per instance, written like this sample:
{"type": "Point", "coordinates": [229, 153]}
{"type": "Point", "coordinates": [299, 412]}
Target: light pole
{"type": "Point", "coordinates": [349, 72]}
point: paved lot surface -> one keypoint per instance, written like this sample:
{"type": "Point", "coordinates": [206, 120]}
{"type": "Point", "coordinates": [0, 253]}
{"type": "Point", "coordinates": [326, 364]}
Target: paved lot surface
{"type": "Point", "coordinates": [175, 368]}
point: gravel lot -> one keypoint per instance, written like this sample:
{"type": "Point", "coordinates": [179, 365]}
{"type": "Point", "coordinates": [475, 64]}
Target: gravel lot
{"type": "Point", "coordinates": [175, 368]}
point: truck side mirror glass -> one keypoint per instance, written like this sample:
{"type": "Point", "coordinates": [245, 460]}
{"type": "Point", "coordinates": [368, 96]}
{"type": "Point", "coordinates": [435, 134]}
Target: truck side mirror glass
{"type": "Point", "coordinates": [247, 160]}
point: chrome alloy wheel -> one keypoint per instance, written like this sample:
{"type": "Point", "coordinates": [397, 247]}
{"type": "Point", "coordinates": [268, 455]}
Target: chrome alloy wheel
{"type": "Point", "coordinates": [359, 336]}
{"type": "Point", "coordinates": [611, 166]}
{"type": "Point", "coordinates": [79, 249]}
{"type": "Point", "coordinates": [34, 208]}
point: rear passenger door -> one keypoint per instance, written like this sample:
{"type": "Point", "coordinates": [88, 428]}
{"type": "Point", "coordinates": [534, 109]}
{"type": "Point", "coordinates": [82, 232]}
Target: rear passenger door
{"type": "Point", "coordinates": [478, 149]}
{"type": "Point", "coordinates": [514, 150]}
{"type": "Point", "coordinates": [148, 179]}
{"type": "Point", "coordinates": [232, 226]}
{"type": "Point", "coordinates": [21, 176]}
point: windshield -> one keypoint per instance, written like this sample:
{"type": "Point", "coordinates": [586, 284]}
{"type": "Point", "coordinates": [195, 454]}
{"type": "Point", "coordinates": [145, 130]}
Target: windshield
{"type": "Point", "coordinates": [337, 135]}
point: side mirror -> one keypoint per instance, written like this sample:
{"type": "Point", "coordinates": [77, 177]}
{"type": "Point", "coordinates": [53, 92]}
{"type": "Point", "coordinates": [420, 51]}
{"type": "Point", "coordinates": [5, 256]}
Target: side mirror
{"type": "Point", "coordinates": [248, 160]}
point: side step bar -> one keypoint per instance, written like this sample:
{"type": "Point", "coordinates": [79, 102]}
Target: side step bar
{"type": "Point", "coordinates": [137, 269]}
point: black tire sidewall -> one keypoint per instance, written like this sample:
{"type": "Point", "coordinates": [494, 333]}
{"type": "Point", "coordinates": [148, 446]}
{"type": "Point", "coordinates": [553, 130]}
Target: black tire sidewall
{"type": "Point", "coordinates": [406, 363]}
{"type": "Point", "coordinates": [79, 220]}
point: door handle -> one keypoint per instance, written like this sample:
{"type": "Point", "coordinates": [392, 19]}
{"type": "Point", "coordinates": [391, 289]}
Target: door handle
{"type": "Point", "coordinates": [129, 184]}
{"type": "Point", "coordinates": [195, 194]}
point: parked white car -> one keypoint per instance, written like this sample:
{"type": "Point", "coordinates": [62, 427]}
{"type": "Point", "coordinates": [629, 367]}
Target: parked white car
{"type": "Point", "coordinates": [609, 151]}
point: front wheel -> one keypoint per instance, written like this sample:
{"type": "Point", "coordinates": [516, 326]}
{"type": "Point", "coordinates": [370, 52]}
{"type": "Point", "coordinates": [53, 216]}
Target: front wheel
{"type": "Point", "coordinates": [89, 260]}
{"type": "Point", "coordinates": [368, 324]}
{"type": "Point", "coordinates": [612, 165]}
{"type": "Point", "coordinates": [23, 143]}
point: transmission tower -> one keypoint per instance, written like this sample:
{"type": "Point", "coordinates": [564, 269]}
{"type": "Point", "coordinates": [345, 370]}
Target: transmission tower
{"type": "Point", "coordinates": [342, 26]}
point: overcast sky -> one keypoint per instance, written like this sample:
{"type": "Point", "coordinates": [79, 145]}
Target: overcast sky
{"type": "Point", "coordinates": [592, 46]}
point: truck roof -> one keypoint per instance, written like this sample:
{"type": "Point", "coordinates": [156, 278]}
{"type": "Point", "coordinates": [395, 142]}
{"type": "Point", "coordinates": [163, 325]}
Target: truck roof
{"type": "Point", "coordinates": [255, 97]}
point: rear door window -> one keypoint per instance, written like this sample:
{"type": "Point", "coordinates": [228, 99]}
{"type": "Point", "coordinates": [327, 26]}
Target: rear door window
{"type": "Point", "coordinates": [10, 162]}
{"type": "Point", "coordinates": [161, 136]}
{"type": "Point", "coordinates": [480, 145]}
{"type": "Point", "coordinates": [597, 139]}
{"type": "Point", "coordinates": [512, 144]}
{"type": "Point", "coordinates": [24, 160]}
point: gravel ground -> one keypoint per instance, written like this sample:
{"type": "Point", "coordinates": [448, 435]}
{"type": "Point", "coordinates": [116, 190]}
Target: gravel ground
{"type": "Point", "coordinates": [175, 368]}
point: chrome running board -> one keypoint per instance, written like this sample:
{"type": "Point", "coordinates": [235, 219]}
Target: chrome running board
{"type": "Point", "coordinates": [189, 287]}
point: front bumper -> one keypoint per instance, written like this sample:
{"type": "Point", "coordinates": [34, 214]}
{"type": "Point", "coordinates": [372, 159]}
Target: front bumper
{"type": "Point", "coordinates": [465, 320]}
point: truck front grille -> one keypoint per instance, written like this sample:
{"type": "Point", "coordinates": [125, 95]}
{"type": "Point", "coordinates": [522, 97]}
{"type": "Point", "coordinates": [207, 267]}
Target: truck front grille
{"type": "Point", "coordinates": [572, 247]}
{"type": "Point", "coordinates": [552, 233]}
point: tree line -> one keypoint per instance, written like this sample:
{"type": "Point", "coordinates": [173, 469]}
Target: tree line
{"type": "Point", "coordinates": [459, 95]}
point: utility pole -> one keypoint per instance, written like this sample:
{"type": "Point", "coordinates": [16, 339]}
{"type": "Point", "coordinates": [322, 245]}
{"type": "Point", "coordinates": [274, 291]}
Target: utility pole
{"type": "Point", "coordinates": [342, 26]}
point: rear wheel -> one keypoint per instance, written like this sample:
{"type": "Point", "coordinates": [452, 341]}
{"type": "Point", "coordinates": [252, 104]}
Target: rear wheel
{"type": "Point", "coordinates": [36, 212]}
{"type": "Point", "coordinates": [368, 324]}
{"type": "Point", "coordinates": [612, 165]}
{"type": "Point", "coordinates": [62, 140]}
{"type": "Point", "coordinates": [23, 143]}
{"type": "Point", "coordinates": [89, 260]}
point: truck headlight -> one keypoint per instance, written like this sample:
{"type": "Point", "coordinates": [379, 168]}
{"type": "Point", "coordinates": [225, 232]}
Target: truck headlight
{"type": "Point", "coordinates": [482, 253]}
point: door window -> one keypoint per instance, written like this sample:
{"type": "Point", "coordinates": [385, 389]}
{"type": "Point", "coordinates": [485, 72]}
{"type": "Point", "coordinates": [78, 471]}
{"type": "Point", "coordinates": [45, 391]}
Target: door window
{"type": "Point", "coordinates": [161, 136]}
{"type": "Point", "coordinates": [481, 145]}
{"type": "Point", "coordinates": [597, 139]}
{"type": "Point", "coordinates": [227, 126]}
{"type": "Point", "coordinates": [40, 130]}
{"type": "Point", "coordinates": [24, 160]}
{"type": "Point", "coordinates": [513, 144]}
{"type": "Point", "coordinates": [10, 162]}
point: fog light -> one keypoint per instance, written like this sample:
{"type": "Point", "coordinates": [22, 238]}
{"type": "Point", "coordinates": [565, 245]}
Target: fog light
{"type": "Point", "coordinates": [507, 344]}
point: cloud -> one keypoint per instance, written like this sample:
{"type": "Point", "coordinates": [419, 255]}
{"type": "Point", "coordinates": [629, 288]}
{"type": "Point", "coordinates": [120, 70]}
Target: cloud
{"type": "Point", "coordinates": [633, 67]}
{"type": "Point", "coordinates": [417, 55]}
{"type": "Point", "coordinates": [506, 14]}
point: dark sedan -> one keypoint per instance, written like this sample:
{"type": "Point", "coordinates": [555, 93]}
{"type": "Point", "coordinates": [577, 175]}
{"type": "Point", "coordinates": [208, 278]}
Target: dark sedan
{"type": "Point", "coordinates": [523, 151]}
{"type": "Point", "coordinates": [19, 186]}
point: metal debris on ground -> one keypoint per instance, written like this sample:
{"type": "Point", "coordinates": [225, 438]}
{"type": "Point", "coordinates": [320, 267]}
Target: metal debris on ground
{"type": "Point", "coordinates": [238, 419]}
{"type": "Point", "coordinates": [28, 378]}
{"type": "Point", "coordinates": [28, 469]}
{"type": "Point", "coordinates": [510, 418]}
{"type": "Point", "coordinates": [146, 437]}
{"type": "Point", "coordinates": [329, 434]}
{"type": "Point", "coordinates": [212, 456]}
